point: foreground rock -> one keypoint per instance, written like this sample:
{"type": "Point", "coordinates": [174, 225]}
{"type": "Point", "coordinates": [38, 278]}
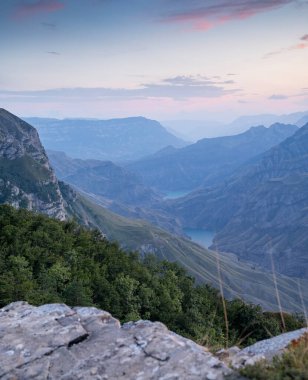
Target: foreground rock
{"type": "Point", "coordinates": [263, 350]}
{"type": "Point", "coordinates": [58, 342]}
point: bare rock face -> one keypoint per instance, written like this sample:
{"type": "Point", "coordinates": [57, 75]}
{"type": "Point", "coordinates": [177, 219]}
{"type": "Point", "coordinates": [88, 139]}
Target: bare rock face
{"type": "Point", "coordinates": [58, 342]}
{"type": "Point", "coordinates": [26, 177]}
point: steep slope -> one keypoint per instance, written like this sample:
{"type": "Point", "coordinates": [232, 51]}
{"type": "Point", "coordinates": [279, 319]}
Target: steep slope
{"type": "Point", "coordinates": [115, 139]}
{"type": "Point", "coordinates": [209, 160]}
{"type": "Point", "coordinates": [26, 178]}
{"type": "Point", "coordinates": [240, 280]}
{"type": "Point", "coordinates": [262, 209]}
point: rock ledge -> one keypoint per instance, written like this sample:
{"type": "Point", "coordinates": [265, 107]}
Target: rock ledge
{"type": "Point", "coordinates": [58, 342]}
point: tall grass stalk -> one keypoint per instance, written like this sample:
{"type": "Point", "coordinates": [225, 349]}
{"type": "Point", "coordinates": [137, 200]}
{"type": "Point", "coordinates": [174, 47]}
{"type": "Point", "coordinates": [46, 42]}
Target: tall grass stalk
{"type": "Point", "coordinates": [276, 288]}
{"type": "Point", "coordinates": [222, 296]}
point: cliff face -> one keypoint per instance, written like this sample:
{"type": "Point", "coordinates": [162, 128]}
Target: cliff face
{"type": "Point", "coordinates": [26, 177]}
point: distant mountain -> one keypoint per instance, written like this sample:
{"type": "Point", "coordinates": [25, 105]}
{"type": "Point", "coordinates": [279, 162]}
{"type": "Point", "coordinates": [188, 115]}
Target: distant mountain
{"type": "Point", "coordinates": [302, 121]}
{"type": "Point", "coordinates": [115, 139]}
{"type": "Point", "coordinates": [261, 210]}
{"type": "Point", "coordinates": [115, 188]}
{"type": "Point", "coordinates": [193, 130]}
{"type": "Point", "coordinates": [26, 178]}
{"type": "Point", "coordinates": [209, 160]}
{"type": "Point", "coordinates": [242, 123]}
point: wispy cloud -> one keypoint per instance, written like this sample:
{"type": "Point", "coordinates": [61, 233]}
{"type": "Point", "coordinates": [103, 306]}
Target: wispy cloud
{"type": "Point", "coordinates": [278, 97]}
{"type": "Point", "coordinates": [49, 25]}
{"type": "Point", "coordinates": [177, 88]}
{"type": "Point", "coordinates": [26, 9]}
{"type": "Point", "coordinates": [284, 97]}
{"type": "Point", "coordinates": [53, 53]}
{"type": "Point", "coordinates": [204, 15]}
{"type": "Point", "coordinates": [302, 44]}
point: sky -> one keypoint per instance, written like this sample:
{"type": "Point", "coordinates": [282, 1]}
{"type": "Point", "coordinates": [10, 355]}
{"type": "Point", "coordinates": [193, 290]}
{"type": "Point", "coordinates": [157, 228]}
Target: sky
{"type": "Point", "coordinates": [162, 59]}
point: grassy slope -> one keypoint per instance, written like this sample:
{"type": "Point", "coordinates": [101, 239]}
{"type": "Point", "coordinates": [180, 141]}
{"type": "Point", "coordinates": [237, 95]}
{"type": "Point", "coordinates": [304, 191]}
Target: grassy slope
{"type": "Point", "coordinates": [240, 279]}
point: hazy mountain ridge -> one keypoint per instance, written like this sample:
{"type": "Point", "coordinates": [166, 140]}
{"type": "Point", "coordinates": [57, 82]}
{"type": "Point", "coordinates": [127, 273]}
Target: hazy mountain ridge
{"type": "Point", "coordinates": [114, 139]}
{"type": "Point", "coordinates": [208, 161]}
{"type": "Point", "coordinates": [194, 130]}
{"type": "Point", "coordinates": [260, 209]}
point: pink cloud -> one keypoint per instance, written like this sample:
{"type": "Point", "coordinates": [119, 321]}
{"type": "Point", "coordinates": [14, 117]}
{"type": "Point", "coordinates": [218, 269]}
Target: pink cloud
{"type": "Point", "coordinates": [298, 46]}
{"type": "Point", "coordinates": [218, 12]}
{"type": "Point", "coordinates": [26, 9]}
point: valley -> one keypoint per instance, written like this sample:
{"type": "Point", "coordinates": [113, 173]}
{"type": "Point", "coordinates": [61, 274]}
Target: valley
{"type": "Point", "coordinates": [99, 184]}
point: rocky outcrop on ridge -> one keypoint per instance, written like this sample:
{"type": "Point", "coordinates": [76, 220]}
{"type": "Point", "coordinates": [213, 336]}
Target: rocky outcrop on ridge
{"type": "Point", "coordinates": [26, 177]}
{"type": "Point", "coordinates": [58, 342]}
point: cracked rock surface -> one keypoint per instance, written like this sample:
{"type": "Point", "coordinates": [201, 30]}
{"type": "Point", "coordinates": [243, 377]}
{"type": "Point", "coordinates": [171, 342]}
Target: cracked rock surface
{"type": "Point", "coordinates": [58, 342]}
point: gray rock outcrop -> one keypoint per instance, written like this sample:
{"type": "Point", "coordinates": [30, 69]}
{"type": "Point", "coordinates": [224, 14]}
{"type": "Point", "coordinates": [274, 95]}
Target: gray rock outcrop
{"type": "Point", "coordinates": [58, 342]}
{"type": "Point", "coordinates": [26, 177]}
{"type": "Point", "coordinates": [265, 349]}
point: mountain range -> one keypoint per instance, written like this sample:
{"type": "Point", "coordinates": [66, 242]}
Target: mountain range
{"type": "Point", "coordinates": [260, 212]}
{"type": "Point", "coordinates": [21, 150]}
{"type": "Point", "coordinates": [194, 130]}
{"type": "Point", "coordinates": [115, 139]}
{"type": "Point", "coordinates": [208, 161]}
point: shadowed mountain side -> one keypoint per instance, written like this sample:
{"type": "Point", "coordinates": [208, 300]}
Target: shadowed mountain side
{"type": "Point", "coordinates": [115, 188]}
{"type": "Point", "coordinates": [260, 209]}
{"type": "Point", "coordinates": [115, 139]}
{"type": "Point", "coordinates": [240, 279]}
{"type": "Point", "coordinates": [208, 161]}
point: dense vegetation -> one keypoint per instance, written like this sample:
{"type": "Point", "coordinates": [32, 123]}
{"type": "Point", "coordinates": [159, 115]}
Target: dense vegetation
{"type": "Point", "coordinates": [43, 260]}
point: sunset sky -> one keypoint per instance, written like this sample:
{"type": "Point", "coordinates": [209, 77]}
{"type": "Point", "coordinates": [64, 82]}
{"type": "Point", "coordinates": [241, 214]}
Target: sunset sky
{"type": "Point", "coordinates": [164, 59]}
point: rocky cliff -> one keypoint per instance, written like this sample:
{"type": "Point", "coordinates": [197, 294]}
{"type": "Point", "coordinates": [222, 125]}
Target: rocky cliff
{"type": "Point", "coordinates": [26, 178]}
